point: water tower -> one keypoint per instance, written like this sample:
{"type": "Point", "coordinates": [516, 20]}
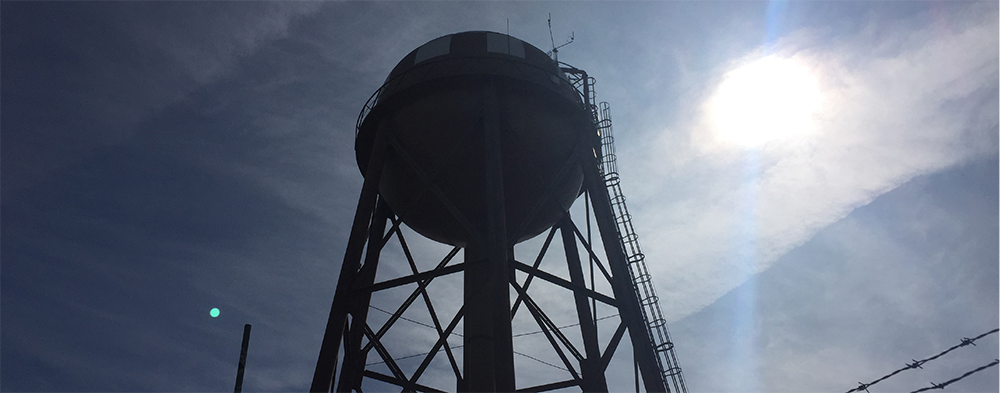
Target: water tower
{"type": "Point", "coordinates": [480, 141]}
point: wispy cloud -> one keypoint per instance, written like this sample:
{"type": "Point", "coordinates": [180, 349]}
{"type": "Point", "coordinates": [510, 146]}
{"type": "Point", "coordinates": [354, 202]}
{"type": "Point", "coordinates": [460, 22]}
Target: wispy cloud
{"type": "Point", "coordinates": [906, 101]}
{"type": "Point", "coordinates": [207, 40]}
{"type": "Point", "coordinates": [112, 66]}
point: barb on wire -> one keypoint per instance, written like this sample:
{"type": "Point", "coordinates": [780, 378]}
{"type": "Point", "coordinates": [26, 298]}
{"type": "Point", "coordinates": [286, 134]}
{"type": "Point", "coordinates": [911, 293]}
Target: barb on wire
{"type": "Point", "coordinates": [953, 380]}
{"type": "Point", "coordinates": [918, 363]}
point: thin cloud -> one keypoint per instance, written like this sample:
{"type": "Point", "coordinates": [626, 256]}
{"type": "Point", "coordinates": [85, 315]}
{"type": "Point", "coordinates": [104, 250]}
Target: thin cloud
{"type": "Point", "coordinates": [121, 63]}
{"type": "Point", "coordinates": [921, 103]}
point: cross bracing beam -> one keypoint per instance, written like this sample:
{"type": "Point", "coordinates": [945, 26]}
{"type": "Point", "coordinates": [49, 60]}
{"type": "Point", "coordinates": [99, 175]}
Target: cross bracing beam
{"type": "Point", "coordinates": [396, 282]}
{"type": "Point", "coordinates": [538, 261]}
{"type": "Point", "coordinates": [430, 308]}
{"type": "Point", "coordinates": [535, 272]}
{"type": "Point", "coordinates": [571, 357]}
{"type": "Point", "coordinates": [549, 334]}
{"type": "Point", "coordinates": [550, 386]}
{"type": "Point", "coordinates": [400, 383]}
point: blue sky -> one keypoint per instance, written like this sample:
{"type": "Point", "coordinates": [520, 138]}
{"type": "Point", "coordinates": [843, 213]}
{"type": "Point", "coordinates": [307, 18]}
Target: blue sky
{"type": "Point", "coordinates": [161, 159]}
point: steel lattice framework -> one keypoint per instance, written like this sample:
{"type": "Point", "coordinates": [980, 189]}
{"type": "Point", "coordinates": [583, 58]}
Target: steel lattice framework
{"type": "Point", "coordinates": [493, 276]}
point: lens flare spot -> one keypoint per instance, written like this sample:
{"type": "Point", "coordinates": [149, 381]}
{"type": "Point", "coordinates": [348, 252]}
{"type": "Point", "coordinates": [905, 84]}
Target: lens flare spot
{"type": "Point", "coordinates": [214, 312]}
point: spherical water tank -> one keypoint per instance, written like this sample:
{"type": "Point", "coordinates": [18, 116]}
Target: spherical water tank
{"type": "Point", "coordinates": [433, 104]}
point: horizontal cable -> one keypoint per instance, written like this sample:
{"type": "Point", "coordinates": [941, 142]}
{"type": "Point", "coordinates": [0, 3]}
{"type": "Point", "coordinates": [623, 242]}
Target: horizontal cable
{"type": "Point", "coordinates": [562, 327]}
{"type": "Point", "coordinates": [410, 320]}
{"type": "Point", "coordinates": [460, 346]}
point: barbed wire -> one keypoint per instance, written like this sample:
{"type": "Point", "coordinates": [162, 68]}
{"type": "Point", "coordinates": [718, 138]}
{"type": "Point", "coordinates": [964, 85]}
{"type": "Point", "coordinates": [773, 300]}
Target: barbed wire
{"type": "Point", "coordinates": [949, 382]}
{"type": "Point", "coordinates": [918, 363]}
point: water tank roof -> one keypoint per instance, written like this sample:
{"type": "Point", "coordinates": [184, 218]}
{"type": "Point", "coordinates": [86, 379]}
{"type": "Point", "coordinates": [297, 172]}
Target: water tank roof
{"type": "Point", "coordinates": [475, 44]}
{"type": "Point", "coordinates": [471, 55]}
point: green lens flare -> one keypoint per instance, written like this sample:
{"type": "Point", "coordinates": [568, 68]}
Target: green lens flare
{"type": "Point", "coordinates": [214, 313]}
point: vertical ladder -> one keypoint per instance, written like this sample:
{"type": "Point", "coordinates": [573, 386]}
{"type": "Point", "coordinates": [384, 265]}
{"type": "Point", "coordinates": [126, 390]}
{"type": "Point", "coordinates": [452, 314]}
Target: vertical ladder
{"type": "Point", "coordinates": [656, 325]}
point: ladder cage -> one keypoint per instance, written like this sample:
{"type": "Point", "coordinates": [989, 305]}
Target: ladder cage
{"type": "Point", "coordinates": [656, 326]}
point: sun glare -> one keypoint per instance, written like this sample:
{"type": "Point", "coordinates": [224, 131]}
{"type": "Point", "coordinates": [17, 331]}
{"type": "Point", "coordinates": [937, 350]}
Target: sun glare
{"type": "Point", "coordinates": [769, 99]}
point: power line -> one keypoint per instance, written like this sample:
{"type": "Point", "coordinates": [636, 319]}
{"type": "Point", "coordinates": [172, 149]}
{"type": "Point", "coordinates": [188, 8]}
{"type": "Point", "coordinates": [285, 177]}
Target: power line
{"type": "Point", "coordinates": [459, 346]}
{"type": "Point", "coordinates": [562, 327]}
{"type": "Point", "coordinates": [408, 357]}
{"type": "Point", "coordinates": [918, 363]}
{"type": "Point", "coordinates": [541, 361]}
{"type": "Point", "coordinates": [410, 320]}
{"type": "Point", "coordinates": [514, 336]}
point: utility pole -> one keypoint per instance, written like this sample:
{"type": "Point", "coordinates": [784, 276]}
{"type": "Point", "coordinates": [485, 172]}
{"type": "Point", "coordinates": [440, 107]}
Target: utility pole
{"type": "Point", "coordinates": [243, 359]}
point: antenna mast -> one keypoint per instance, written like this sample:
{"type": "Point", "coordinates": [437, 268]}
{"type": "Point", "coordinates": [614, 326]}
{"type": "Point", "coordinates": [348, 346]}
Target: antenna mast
{"type": "Point", "coordinates": [554, 53]}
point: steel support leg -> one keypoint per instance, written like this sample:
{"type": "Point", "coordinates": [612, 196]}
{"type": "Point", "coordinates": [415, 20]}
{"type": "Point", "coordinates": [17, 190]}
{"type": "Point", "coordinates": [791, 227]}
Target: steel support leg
{"type": "Point", "coordinates": [326, 365]}
{"type": "Point", "coordinates": [354, 361]}
{"type": "Point", "coordinates": [489, 351]}
{"type": "Point", "coordinates": [621, 281]}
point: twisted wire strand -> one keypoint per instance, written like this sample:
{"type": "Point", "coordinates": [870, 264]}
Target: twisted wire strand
{"type": "Point", "coordinates": [953, 380]}
{"type": "Point", "coordinates": [918, 363]}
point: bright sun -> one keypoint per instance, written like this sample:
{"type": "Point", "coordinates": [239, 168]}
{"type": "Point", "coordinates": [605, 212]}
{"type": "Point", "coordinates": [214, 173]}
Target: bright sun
{"type": "Point", "coordinates": [769, 99]}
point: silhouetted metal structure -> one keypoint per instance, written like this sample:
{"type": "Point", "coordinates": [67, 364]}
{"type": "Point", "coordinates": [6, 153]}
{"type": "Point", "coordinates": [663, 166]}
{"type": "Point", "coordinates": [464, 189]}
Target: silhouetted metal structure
{"type": "Point", "coordinates": [243, 359]}
{"type": "Point", "coordinates": [481, 141]}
